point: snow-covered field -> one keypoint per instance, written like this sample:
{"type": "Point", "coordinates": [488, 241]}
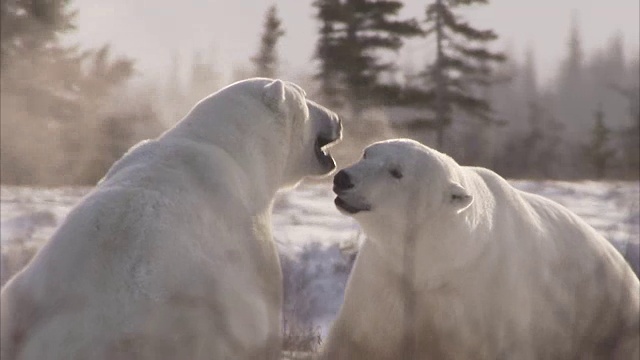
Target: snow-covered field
{"type": "Point", "coordinates": [316, 242]}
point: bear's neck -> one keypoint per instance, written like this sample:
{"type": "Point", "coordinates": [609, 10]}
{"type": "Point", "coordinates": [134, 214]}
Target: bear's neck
{"type": "Point", "coordinates": [438, 251]}
{"type": "Point", "coordinates": [245, 140]}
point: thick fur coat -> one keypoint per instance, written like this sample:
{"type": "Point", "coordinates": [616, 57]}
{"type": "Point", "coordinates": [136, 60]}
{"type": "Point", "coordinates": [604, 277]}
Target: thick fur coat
{"type": "Point", "coordinates": [458, 264]}
{"type": "Point", "coordinates": [171, 255]}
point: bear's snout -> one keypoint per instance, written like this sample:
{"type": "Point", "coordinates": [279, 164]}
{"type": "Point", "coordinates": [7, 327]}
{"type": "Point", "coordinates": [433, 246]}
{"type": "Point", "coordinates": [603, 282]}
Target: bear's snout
{"type": "Point", "coordinates": [342, 181]}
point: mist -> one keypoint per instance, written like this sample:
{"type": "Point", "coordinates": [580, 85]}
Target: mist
{"type": "Point", "coordinates": [83, 82]}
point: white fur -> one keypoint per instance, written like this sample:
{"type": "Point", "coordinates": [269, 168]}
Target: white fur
{"type": "Point", "coordinates": [502, 274]}
{"type": "Point", "coordinates": [171, 255]}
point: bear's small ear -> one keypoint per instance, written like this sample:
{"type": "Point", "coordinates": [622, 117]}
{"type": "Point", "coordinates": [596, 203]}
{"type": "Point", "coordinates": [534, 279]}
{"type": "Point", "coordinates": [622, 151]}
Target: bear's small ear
{"type": "Point", "coordinates": [459, 197]}
{"type": "Point", "coordinates": [274, 95]}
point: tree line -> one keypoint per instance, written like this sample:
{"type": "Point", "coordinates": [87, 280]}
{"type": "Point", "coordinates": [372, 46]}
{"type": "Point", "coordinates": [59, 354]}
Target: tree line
{"type": "Point", "coordinates": [478, 104]}
{"type": "Point", "coordinates": [482, 105]}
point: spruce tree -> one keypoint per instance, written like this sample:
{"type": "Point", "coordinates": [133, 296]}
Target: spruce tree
{"type": "Point", "coordinates": [535, 132]}
{"type": "Point", "coordinates": [175, 103]}
{"type": "Point", "coordinates": [33, 27]}
{"type": "Point", "coordinates": [326, 52]}
{"type": "Point", "coordinates": [204, 79]}
{"type": "Point", "coordinates": [266, 60]}
{"type": "Point", "coordinates": [354, 37]}
{"type": "Point", "coordinates": [31, 54]}
{"type": "Point", "coordinates": [630, 132]}
{"type": "Point", "coordinates": [598, 151]}
{"type": "Point", "coordinates": [573, 90]}
{"type": "Point", "coordinates": [530, 77]}
{"type": "Point", "coordinates": [462, 66]}
{"type": "Point", "coordinates": [571, 72]}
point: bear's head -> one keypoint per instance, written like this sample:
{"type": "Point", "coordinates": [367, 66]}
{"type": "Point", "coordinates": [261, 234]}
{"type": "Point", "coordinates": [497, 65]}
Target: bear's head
{"type": "Point", "coordinates": [270, 128]}
{"type": "Point", "coordinates": [400, 181]}
{"type": "Point", "coordinates": [313, 129]}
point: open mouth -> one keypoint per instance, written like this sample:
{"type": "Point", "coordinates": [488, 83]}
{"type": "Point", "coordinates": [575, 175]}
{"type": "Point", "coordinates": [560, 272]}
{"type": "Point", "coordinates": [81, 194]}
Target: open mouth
{"type": "Point", "coordinates": [341, 204]}
{"type": "Point", "coordinates": [320, 147]}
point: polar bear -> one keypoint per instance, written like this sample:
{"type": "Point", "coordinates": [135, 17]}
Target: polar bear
{"type": "Point", "coordinates": [460, 265]}
{"type": "Point", "coordinates": [171, 256]}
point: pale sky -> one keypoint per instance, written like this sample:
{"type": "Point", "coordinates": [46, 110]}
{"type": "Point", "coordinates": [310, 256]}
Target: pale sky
{"type": "Point", "coordinates": [152, 31]}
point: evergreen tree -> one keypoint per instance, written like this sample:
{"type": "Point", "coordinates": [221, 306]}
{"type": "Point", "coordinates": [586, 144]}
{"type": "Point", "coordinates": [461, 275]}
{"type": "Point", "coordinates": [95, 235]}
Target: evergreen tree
{"type": "Point", "coordinates": [51, 94]}
{"type": "Point", "coordinates": [572, 67]}
{"type": "Point", "coordinates": [32, 56]}
{"type": "Point", "coordinates": [630, 132]}
{"type": "Point", "coordinates": [33, 27]}
{"type": "Point", "coordinates": [598, 151]}
{"type": "Point", "coordinates": [535, 132]}
{"type": "Point", "coordinates": [544, 133]}
{"type": "Point", "coordinates": [80, 127]}
{"type": "Point", "coordinates": [174, 82]}
{"type": "Point", "coordinates": [28, 51]}
{"type": "Point", "coordinates": [204, 78]}
{"type": "Point", "coordinates": [615, 66]}
{"type": "Point", "coordinates": [530, 141]}
{"type": "Point", "coordinates": [354, 35]}
{"type": "Point", "coordinates": [329, 65]}
{"type": "Point", "coordinates": [508, 97]}
{"type": "Point", "coordinates": [530, 77]}
{"type": "Point", "coordinates": [175, 103]}
{"type": "Point", "coordinates": [104, 73]}
{"type": "Point", "coordinates": [266, 61]}
{"type": "Point", "coordinates": [462, 66]}
{"type": "Point", "coordinates": [572, 86]}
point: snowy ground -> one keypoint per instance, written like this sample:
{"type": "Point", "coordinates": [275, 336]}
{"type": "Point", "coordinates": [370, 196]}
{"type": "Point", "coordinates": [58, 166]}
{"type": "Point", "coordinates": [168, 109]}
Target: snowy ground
{"type": "Point", "coordinates": [316, 242]}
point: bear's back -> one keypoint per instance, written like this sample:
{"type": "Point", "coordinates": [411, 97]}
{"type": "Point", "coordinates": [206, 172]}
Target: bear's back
{"type": "Point", "coordinates": [575, 279]}
{"type": "Point", "coordinates": [138, 208]}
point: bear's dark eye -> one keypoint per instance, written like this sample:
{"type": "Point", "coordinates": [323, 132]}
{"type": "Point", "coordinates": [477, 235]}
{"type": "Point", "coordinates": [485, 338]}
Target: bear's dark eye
{"type": "Point", "coordinates": [395, 173]}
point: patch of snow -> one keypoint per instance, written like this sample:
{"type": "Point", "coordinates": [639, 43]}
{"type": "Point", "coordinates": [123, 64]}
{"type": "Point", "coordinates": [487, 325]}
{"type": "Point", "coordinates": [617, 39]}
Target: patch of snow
{"type": "Point", "coordinates": [317, 244]}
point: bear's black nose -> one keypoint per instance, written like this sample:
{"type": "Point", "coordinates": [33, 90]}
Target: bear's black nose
{"type": "Point", "coordinates": [342, 181]}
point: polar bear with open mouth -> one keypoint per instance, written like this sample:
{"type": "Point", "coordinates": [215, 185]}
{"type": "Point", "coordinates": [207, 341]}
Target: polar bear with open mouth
{"type": "Point", "coordinates": [171, 256]}
{"type": "Point", "coordinates": [458, 264]}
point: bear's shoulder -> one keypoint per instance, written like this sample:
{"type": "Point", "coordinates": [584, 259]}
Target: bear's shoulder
{"type": "Point", "coordinates": [175, 163]}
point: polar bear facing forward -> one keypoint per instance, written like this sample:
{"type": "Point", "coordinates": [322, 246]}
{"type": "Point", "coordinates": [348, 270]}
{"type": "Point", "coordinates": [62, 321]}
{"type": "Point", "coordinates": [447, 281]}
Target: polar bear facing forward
{"type": "Point", "coordinates": [171, 255]}
{"type": "Point", "coordinates": [460, 265]}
